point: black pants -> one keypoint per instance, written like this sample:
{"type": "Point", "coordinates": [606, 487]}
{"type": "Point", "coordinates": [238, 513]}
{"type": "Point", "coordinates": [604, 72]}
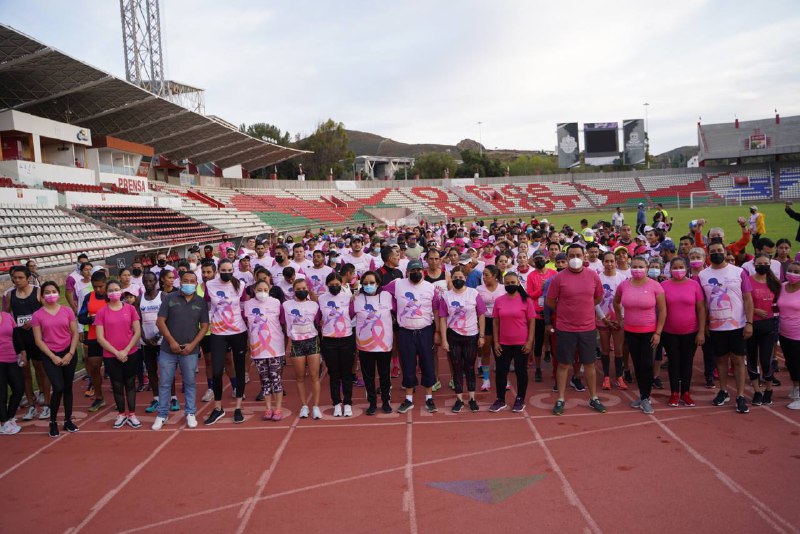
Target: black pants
{"type": "Point", "coordinates": [680, 351]}
{"type": "Point", "coordinates": [150, 355]}
{"type": "Point", "coordinates": [383, 361]}
{"type": "Point", "coordinates": [412, 344]}
{"type": "Point", "coordinates": [219, 347]}
{"type": "Point", "coordinates": [123, 381]}
{"type": "Point", "coordinates": [538, 337]}
{"type": "Point", "coordinates": [462, 354]}
{"type": "Point", "coordinates": [642, 358]}
{"type": "Point", "coordinates": [709, 360]}
{"type": "Point", "coordinates": [339, 354]}
{"type": "Point", "coordinates": [61, 382]}
{"type": "Point", "coordinates": [791, 352]}
{"type": "Point", "coordinates": [503, 364]}
{"type": "Point", "coordinates": [10, 377]}
{"type": "Point", "coordinates": [759, 349]}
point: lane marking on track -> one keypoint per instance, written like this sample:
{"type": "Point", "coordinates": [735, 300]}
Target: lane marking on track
{"type": "Point", "coordinates": [409, 502]}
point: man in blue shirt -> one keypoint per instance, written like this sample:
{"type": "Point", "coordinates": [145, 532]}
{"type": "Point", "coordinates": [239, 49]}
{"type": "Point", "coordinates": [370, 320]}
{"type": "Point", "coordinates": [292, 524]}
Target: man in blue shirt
{"type": "Point", "coordinates": [474, 276]}
{"type": "Point", "coordinates": [641, 219]}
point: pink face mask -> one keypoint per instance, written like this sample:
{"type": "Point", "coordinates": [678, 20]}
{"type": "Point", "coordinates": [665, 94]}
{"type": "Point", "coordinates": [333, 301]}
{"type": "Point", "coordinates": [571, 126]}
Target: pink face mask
{"type": "Point", "coordinates": [114, 296]}
{"type": "Point", "coordinates": [638, 274]}
{"type": "Point", "coordinates": [696, 264]}
{"type": "Point", "coordinates": [51, 298]}
{"type": "Point", "coordinates": [678, 274]}
{"type": "Point", "coordinates": [792, 278]}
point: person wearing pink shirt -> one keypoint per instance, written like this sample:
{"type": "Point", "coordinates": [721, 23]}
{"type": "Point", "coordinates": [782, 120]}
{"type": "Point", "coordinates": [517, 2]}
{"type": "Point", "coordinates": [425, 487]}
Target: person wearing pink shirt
{"type": "Point", "coordinates": [490, 291]}
{"type": "Point", "coordinates": [789, 329]}
{"type": "Point", "coordinates": [607, 325]}
{"type": "Point", "coordinates": [642, 298]}
{"type": "Point", "coordinates": [534, 286]}
{"type": "Point", "coordinates": [338, 346]}
{"type": "Point", "coordinates": [766, 288]}
{"type": "Point", "coordinates": [302, 316]}
{"type": "Point", "coordinates": [12, 358]}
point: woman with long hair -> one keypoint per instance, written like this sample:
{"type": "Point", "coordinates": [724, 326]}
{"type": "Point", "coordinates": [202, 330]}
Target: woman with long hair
{"type": "Point", "coordinates": [12, 359]}
{"type": "Point", "coordinates": [302, 316]}
{"type": "Point", "coordinates": [338, 347]}
{"type": "Point", "coordinates": [490, 291]}
{"type": "Point", "coordinates": [766, 290]}
{"type": "Point", "coordinates": [789, 329]}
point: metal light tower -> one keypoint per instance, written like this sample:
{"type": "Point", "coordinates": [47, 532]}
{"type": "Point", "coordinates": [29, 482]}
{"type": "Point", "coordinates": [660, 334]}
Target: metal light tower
{"type": "Point", "coordinates": [141, 37]}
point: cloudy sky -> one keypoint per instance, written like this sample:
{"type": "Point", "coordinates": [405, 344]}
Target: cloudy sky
{"type": "Point", "coordinates": [429, 71]}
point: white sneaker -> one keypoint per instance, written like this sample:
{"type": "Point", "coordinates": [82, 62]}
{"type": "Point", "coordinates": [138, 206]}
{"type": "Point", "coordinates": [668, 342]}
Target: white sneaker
{"type": "Point", "coordinates": [40, 398]}
{"type": "Point", "coordinates": [24, 402]}
{"type": "Point", "coordinates": [133, 421]}
{"type": "Point", "coordinates": [794, 405]}
{"type": "Point", "coordinates": [348, 410]}
{"type": "Point", "coordinates": [4, 428]}
{"type": "Point", "coordinates": [159, 422]}
{"type": "Point", "coordinates": [303, 412]}
{"type": "Point", "coordinates": [337, 410]}
{"type": "Point", "coordinates": [316, 413]}
{"type": "Point", "coordinates": [208, 396]}
{"type": "Point", "coordinates": [30, 414]}
{"type": "Point", "coordinates": [120, 421]}
{"type": "Point", "coordinates": [45, 413]}
{"type": "Point", "coordinates": [795, 393]}
{"type": "Point", "coordinates": [191, 421]}
{"type": "Point", "coordinates": [14, 427]}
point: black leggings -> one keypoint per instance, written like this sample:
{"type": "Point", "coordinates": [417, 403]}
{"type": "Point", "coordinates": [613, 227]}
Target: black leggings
{"type": "Point", "coordinates": [10, 377]}
{"type": "Point", "coordinates": [123, 380]}
{"type": "Point", "coordinates": [369, 360]}
{"type": "Point", "coordinates": [219, 347]}
{"type": "Point", "coordinates": [759, 349]}
{"type": "Point", "coordinates": [538, 337]}
{"type": "Point", "coordinates": [61, 378]}
{"type": "Point", "coordinates": [462, 354]}
{"type": "Point", "coordinates": [503, 363]}
{"type": "Point", "coordinates": [680, 354]}
{"type": "Point", "coordinates": [642, 358]}
{"type": "Point", "coordinates": [339, 354]}
{"type": "Point", "coordinates": [791, 353]}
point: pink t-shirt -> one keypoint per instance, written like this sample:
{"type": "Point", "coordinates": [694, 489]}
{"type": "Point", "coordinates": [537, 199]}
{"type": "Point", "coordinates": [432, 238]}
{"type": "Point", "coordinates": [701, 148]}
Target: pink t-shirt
{"type": "Point", "coordinates": [534, 285]}
{"type": "Point", "coordinates": [610, 285]}
{"type": "Point", "coordinates": [117, 327]}
{"type": "Point", "coordinates": [56, 331]}
{"type": "Point", "coordinates": [415, 302]}
{"type": "Point", "coordinates": [640, 305]}
{"type": "Point", "coordinates": [762, 299]}
{"type": "Point", "coordinates": [265, 334]}
{"type": "Point", "coordinates": [373, 321]}
{"type": "Point", "coordinates": [789, 308]}
{"type": "Point", "coordinates": [513, 315]}
{"type": "Point", "coordinates": [315, 278]}
{"type": "Point", "coordinates": [724, 290]}
{"type": "Point", "coordinates": [335, 312]}
{"type": "Point", "coordinates": [681, 299]}
{"type": "Point", "coordinates": [7, 352]}
{"type": "Point", "coordinates": [301, 318]}
{"type": "Point", "coordinates": [225, 308]}
{"type": "Point", "coordinates": [576, 294]}
{"type": "Point", "coordinates": [462, 311]}
{"type": "Point", "coordinates": [489, 298]}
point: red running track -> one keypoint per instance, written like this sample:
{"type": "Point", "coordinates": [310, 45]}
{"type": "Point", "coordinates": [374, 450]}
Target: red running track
{"type": "Point", "coordinates": [682, 469]}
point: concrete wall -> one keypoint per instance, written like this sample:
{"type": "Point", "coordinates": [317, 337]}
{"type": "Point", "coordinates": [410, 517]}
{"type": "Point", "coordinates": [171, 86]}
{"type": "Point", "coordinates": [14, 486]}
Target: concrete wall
{"type": "Point", "coordinates": [106, 199]}
{"type": "Point", "coordinates": [40, 197]}
{"type": "Point", "coordinates": [34, 174]}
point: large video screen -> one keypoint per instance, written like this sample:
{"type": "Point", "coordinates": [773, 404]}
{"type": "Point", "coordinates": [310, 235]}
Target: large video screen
{"type": "Point", "coordinates": [601, 142]}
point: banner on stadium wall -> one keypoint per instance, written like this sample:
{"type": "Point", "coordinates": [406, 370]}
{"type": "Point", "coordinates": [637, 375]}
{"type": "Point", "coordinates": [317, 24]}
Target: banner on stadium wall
{"type": "Point", "coordinates": [633, 141]}
{"type": "Point", "coordinates": [186, 179]}
{"type": "Point", "coordinates": [568, 146]}
{"type": "Point", "coordinates": [144, 166]}
{"type": "Point", "coordinates": [208, 181]}
{"type": "Point", "coordinates": [134, 184]}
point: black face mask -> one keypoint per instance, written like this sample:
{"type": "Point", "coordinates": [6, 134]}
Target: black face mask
{"type": "Point", "coordinates": [415, 277]}
{"type": "Point", "coordinates": [334, 290]}
{"type": "Point", "coordinates": [301, 294]}
{"type": "Point", "coordinates": [162, 263]}
{"type": "Point", "coordinates": [458, 283]}
{"type": "Point", "coordinates": [717, 258]}
{"type": "Point", "coordinates": [136, 272]}
{"type": "Point", "coordinates": [559, 269]}
{"type": "Point", "coordinates": [511, 289]}
{"type": "Point", "coordinates": [539, 263]}
{"type": "Point", "coordinates": [762, 269]}
{"type": "Point", "coordinates": [226, 277]}
{"type": "Point", "coordinates": [279, 259]}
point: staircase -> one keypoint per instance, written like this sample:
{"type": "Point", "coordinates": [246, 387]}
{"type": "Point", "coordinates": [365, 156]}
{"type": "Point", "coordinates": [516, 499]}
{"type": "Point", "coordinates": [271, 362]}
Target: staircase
{"type": "Point", "coordinates": [644, 191]}
{"type": "Point", "coordinates": [480, 205]}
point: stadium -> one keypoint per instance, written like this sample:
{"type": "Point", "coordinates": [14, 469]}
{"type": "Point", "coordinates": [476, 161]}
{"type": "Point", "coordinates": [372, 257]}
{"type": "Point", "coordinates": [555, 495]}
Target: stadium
{"type": "Point", "coordinates": [104, 168]}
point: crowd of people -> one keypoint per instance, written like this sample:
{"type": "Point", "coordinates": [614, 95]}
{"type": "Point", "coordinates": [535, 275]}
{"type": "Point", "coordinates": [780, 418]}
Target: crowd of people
{"type": "Point", "coordinates": [373, 303]}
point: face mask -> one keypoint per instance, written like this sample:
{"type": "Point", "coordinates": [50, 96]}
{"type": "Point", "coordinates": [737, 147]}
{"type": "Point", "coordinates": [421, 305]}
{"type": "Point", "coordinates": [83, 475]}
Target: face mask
{"type": "Point", "coordinates": [792, 278]}
{"type": "Point", "coordinates": [162, 263]}
{"type": "Point", "coordinates": [575, 263]}
{"type": "Point", "coordinates": [51, 298]}
{"type": "Point", "coordinates": [638, 274]}
{"type": "Point", "coordinates": [539, 263]}
{"type": "Point", "coordinates": [376, 250]}
{"type": "Point", "coordinates": [511, 289]}
{"type": "Point", "coordinates": [459, 283]}
{"type": "Point", "coordinates": [339, 245]}
{"type": "Point", "coordinates": [653, 273]}
{"type": "Point", "coordinates": [678, 274]}
{"type": "Point", "coordinates": [370, 289]}
{"type": "Point", "coordinates": [301, 294]}
{"type": "Point", "coordinates": [226, 277]}
{"type": "Point", "coordinates": [279, 258]}
{"type": "Point", "coordinates": [188, 289]}
{"type": "Point", "coordinates": [115, 296]}
{"type": "Point", "coordinates": [415, 277]}
{"type": "Point", "coordinates": [762, 269]}
{"type": "Point", "coordinates": [136, 272]}
{"type": "Point", "coordinates": [192, 266]}
{"type": "Point", "coordinates": [559, 269]}
{"type": "Point", "coordinates": [696, 264]}
{"type": "Point", "coordinates": [334, 290]}
{"type": "Point", "coordinates": [209, 254]}
{"type": "Point", "coordinates": [717, 258]}
{"type": "Point", "coordinates": [262, 296]}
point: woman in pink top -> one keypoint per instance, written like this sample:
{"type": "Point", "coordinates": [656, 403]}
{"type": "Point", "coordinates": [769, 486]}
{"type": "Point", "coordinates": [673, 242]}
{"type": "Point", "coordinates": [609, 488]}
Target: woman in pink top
{"type": "Point", "coordinates": [338, 346]}
{"type": "Point", "coordinates": [643, 321]}
{"type": "Point", "coordinates": [55, 330]}
{"type": "Point", "coordinates": [12, 358]}
{"type": "Point", "coordinates": [490, 291]}
{"type": "Point", "coordinates": [118, 332]}
{"type": "Point", "coordinates": [302, 317]}
{"type": "Point", "coordinates": [789, 329]}
{"type": "Point", "coordinates": [607, 326]}
{"type": "Point", "coordinates": [684, 329]}
{"type": "Point", "coordinates": [766, 288]}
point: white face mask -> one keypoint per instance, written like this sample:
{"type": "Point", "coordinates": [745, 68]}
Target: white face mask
{"type": "Point", "coordinates": [575, 263]}
{"type": "Point", "coordinates": [192, 266]}
{"type": "Point", "coordinates": [262, 296]}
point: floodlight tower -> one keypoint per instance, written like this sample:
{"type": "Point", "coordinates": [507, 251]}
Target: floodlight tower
{"type": "Point", "coordinates": [141, 38]}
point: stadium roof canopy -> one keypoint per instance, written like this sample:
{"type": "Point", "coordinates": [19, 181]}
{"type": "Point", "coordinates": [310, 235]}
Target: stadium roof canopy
{"type": "Point", "coordinates": [40, 80]}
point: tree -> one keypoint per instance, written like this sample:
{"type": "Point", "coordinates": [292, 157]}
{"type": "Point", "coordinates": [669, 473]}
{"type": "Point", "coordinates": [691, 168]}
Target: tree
{"type": "Point", "coordinates": [433, 164]}
{"type": "Point", "coordinates": [328, 145]}
{"type": "Point", "coordinates": [533, 165]}
{"type": "Point", "coordinates": [473, 162]}
{"type": "Point", "coordinates": [266, 132]}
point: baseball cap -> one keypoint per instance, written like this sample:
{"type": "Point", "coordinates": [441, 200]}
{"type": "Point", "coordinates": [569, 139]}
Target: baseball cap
{"type": "Point", "coordinates": [669, 246]}
{"type": "Point", "coordinates": [588, 235]}
{"type": "Point", "coordinates": [648, 228]}
{"type": "Point", "coordinates": [641, 205]}
{"type": "Point", "coordinates": [754, 208]}
{"type": "Point", "coordinates": [414, 264]}
{"type": "Point", "coordinates": [465, 259]}
{"type": "Point", "coordinates": [641, 250]}
{"type": "Point", "coordinates": [561, 256]}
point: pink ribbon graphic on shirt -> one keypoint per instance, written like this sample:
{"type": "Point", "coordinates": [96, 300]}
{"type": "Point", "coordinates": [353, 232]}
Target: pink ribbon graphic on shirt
{"type": "Point", "coordinates": [374, 326]}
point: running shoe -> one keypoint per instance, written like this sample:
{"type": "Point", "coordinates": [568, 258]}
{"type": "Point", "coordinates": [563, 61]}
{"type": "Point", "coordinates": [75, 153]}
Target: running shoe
{"type": "Point", "coordinates": [451, 384]}
{"type": "Point", "coordinates": [215, 415]}
{"type": "Point", "coordinates": [97, 404]}
{"type": "Point", "coordinates": [795, 393]}
{"type": "Point", "coordinates": [721, 398]}
{"type": "Point", "coordinates": [498, 406]}
{"type": "Point", "coordinates": [519, 405]}
{"type": "Point", "coordinates": [794, 405]}
{"type": "Point", "coordinates": [303, 412]}
{"type": "Point", "coordinates": [159, 422]}
{"type": "Point", "coordinates": [191, 420]}
{"type": "Point", "coordinates": [767, 401]}
{"type": "Point", "coordinates": [153, 407]}
{"type": "Point", "coordinates": [405, 406]}
{"type": "Point", "coordinates": [247, 378]}
{"type": "Point", "coordinates": [577, 384]}
{"type": "Point", "coordinates": [547, 357]}
{"type": "Point", "coordinates": [267, 415]}
{"type": "Point", "coordinates": [647, 407]}
{"type": "Point", "coordinates": [337, 410]}
{"type": "Point", "coordinates": [606, 383]}
{"type": "Point", "coordinates": [741, 405]}
{"type": "Point", "coordinates": [657, 383]}
{"type": "Point", "coordinates": [627, 376]}
{"type": "Point", "coordinates": [277, 415]}
{"type": "Point", "coordinates": [687, 399]}
{"type": "Point", "coordinates": [372, 409]}
{"type": "Point", "coordinates": [386, 408]}
{"type": "Point", "coordinates": [23, 403]}
{"type": "Point", "coordinates": [636, 404]}
{"type": "Point", "coordinates": [395, 372]}
{"type": "Point", "coordinates": [537, 375]}
{"type": "Point", "coordinates": [120, 421]}
{"type": "Point", "coordinates": [710, 382]}
{"type": "Point", "coordinates": [40, 398]}
{"type": "Point", "coordinates": [316, 413]}
{"type": "Point", "coordinates": [53, 432]}
{"type": "Point", "coordinates": [237, 416]}
{"type": "Point", "coordinates": [473, 405]}
{"type": "Point", "coordinates": [208, 396]}
{"type": "Point", "coordinates": [430, 406]}
{"type": "Point", "coordinates": [142, 387]}
{"type": "Point", "coordinates": [89, 393]}
{"type": "Point", "coordinates": [459, 404]}
{"type": "Point", "coordinates": [9, 428]}
{"type": "Point", "coordinates": [620, 383]}
{"type": "Point", "coordinates": [555, 387]}
{"type": "Point", "coordinates": [174, 406]}
{"type": "Point", "coordinates": [45, 415]}
{"type": "Point", "coordinates": [673, 399]}
{"type": "Point", "coordinates": [558, 409]}
{"type": "Point", "coordinates": [360, 383]}
{"type": "Point", "coordinates": [776, 382]}
{"type": "Point", "coordinates": [437, 386]}
{"type": "Point", "coordinates": [133, 421]}
{"type": "Point", "coordinates": [69, 426]}
{"type": "Point", "coordinates": [758, 398]}
{"type": "Point", "coordinates": [597, 406]}
{"type": "Point", "coordinates": [30, 414]}
{"type": "Point", "coordinates": [486, 385]}
{"type": "Point", "coordinates": [348, 410]}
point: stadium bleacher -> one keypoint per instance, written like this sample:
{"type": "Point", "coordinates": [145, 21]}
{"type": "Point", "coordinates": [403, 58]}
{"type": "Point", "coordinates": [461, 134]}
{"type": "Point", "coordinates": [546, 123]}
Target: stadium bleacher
{"type": "Point", "coordinates": [790, 182]}
{"type": "Point", "coordinates": [154, 224]}
{"type": "Point", "coordinates": [759, 183]}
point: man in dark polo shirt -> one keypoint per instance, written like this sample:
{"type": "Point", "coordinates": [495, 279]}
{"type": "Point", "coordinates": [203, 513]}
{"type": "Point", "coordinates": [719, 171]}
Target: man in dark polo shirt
{"type": "Point", "coordinates": [389, 271]}
{"type": "Point", "coordinates": [182, 321]}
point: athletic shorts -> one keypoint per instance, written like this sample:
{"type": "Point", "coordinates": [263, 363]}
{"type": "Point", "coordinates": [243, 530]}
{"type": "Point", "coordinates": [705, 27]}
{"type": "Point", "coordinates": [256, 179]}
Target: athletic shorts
{"type": "Point", "coordinates": [585, 343]}
{"type": "Point", "coordinates": [724, 342]}
{"type": "Point", "coordinates": [488, 328]}
{"type": "Point", "coordinates": [205, 345]}
{"type": "Point", "coordinates": [94, 349]}
{"type": "Point", "coordinates": [306, 347]}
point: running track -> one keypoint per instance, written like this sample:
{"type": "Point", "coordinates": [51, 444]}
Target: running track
{"type": "Point", "coordinates": [683, 469]}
